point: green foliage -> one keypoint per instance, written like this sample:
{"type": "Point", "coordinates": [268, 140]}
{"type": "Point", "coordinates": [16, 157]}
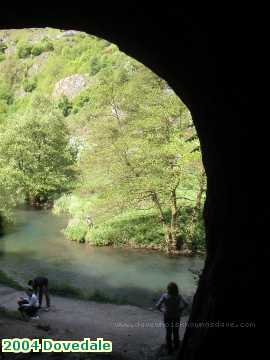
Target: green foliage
{"type": "Point", "coordinates": [46, 44]}
{"type": "Point", "coordinates": [65, 105]}
{"type": "Point", "coordinates": [73, 206]}
{"type": "Point", "coordinates": [36, 50]}
{"type": "Point", "coordinates": [25, 49]}
{"type": "Point", "coordinates": [80, 101]}
{"type": "Point", "coordinates": [29, 85]}
{"type": "Point", "coordinates": [95, 65]}
{"type": "Point", "coordinates": [127, 135]}
{"type": "Point", "coordinates": [139, 149]}
{"type": "Point", "coordinates": [36, 145]}
{"type": "Point", "coordinates": [142, 229]}
{"type": "Point", "coordinates": [3, 47]}
{"type": "Point", "coordinates": [76, 230]}
{"type": "Point", "coordinates": [10, 189]}
{"type": "Point", "coordinates": [133, 229]}
{"type": "Point", "coordinates": [6, 93]}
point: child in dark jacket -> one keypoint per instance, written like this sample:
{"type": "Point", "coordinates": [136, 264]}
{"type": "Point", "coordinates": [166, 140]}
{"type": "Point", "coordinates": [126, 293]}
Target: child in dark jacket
{"type": "Point", "coordinates": [172, 304]}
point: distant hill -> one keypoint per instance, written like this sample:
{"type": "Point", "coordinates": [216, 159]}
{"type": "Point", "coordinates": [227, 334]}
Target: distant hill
{"type": "Point", "coordinates": [51, 62]}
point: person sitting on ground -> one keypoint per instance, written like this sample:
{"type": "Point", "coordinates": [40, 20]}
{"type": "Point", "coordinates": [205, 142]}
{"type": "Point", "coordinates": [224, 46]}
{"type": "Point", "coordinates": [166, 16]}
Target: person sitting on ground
{"type": "Point", "coordinates": [172, 304]}
{"type": "Point", "coordinates": [29, 306]}
{"type": "Point", "coordinates": [40, 285]}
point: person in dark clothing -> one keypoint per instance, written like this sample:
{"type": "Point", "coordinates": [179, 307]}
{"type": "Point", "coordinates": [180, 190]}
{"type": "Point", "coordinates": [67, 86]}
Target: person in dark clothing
{"type": "Point", "coordinates": [40, 285]}
{"type": "Point", "coordinates": [172, 304]}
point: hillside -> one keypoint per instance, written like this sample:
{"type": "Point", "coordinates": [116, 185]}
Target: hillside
{"type": "Point", "coordinates": [50, 62]}
{"type": "Point", "coordinates": [94, 134]}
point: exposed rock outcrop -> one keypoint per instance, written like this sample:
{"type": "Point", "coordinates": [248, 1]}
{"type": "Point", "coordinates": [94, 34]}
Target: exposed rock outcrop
{"type": "Point", "coordinates": [67, 33]}
{"type": "Point", "coordinates": [70, 86]}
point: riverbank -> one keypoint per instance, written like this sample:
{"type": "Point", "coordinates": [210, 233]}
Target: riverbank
{"type": "Point", "coordinates": [135, 333]}
{"type": "Point", "coordinates": [135, 229]}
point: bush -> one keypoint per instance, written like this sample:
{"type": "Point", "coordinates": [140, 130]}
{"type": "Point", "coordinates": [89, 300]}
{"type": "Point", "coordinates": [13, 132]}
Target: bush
{"type": "Point", "coordinates": [192, 229]}
{"type": "Point", "coordinates": [65, 105]}
{"type": "Point", "coordinates": [132, 228]}
{"type": "Point", "coordinates": [3, 47]}
{"type": "Point", "coordinates": [47, 45]}
{"type": "Point", "coordinates": [128, 229]}
{"type": "Point", "coordinates": [143, 229]}
{"type": "Point", "coordinates": [37, 50]}
{"type": "Point", "coordinates": [72, 205]}
{"type": "Point", "coordinates": [24, 50]}
{"type": "Point", "coordinates": [29, 85]}
{"type": "Point", "coordinates": [95, 65]}
{"type": "Point", "coordinates": [80, 101]}
{"type": "Point", "coordinates": [61, 205]}
{"type": "Point", "coordinates": [76, 230]}
{"type": "Point", "coordinates": [5, 92]}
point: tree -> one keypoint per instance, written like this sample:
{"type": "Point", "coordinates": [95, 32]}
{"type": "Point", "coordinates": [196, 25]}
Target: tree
{"type": "Point", "coordinates": [36, 146]}
{"type": "Point", "coordinates": [138, 149]}
{"type": "Point", "coordinates": [10, 190]}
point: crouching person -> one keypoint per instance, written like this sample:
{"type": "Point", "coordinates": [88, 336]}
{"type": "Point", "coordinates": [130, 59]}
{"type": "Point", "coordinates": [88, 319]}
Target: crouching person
{"type": "Point", "coordinates": [29, 306]}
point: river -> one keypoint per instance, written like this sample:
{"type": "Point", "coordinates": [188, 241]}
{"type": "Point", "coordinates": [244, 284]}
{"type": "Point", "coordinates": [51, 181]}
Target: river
{"type": "Point", "coordinates": [36, 246]}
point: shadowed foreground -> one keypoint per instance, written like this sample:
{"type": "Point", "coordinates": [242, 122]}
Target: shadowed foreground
{"type": "Point", "coordinates": [135, 333]}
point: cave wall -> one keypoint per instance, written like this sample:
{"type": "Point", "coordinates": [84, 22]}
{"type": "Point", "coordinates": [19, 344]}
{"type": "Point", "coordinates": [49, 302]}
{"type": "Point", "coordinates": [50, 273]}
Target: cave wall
{"type": "Point", "coordinates": [197, 53]}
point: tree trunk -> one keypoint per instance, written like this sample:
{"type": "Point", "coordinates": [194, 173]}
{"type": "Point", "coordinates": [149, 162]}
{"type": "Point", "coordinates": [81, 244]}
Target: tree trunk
{"type": "Point", "coordinates": [201, 190]}
{"type": "Point", "coordinates": [167, 227]}
{"type": "Point", "coordinates": [196, 209]}
{"type": "Point", "coordinates": [174, 244]}
{"type": "Point", "coordinates": [172, 240]}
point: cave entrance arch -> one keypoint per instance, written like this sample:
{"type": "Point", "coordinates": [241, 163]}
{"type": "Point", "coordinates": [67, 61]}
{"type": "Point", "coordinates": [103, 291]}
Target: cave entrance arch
{"type": "Point", "coordinates": [183, 48]}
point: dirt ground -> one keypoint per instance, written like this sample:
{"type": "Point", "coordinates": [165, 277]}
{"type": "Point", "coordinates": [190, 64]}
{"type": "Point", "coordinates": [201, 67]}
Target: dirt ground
{"type": "Point", "coordinates": [135, 333]}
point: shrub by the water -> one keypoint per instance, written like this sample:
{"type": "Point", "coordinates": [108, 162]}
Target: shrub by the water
{"type": "Point", "coordinates": [76, 230]}
{"type": "Point", "coordinates": [137, 229]}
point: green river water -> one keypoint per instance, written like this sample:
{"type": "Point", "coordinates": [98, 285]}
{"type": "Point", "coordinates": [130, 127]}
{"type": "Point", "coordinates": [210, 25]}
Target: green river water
{"type": "Point", "coordinates": [36, 246]}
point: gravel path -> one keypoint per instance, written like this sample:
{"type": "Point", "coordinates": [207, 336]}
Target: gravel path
{"type": "Point", "coordinates": [136, 333]}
